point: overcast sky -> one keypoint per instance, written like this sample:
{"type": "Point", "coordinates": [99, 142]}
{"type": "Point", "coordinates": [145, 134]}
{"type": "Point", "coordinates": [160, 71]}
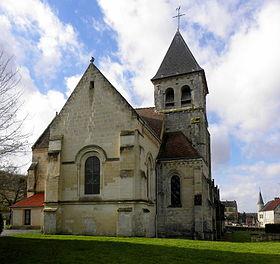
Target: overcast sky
{"type": "Point", "coordinates": [236, 42]}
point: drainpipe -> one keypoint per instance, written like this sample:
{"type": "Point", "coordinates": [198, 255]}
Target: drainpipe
{"type": "Point", "coordinates": [156, 216]}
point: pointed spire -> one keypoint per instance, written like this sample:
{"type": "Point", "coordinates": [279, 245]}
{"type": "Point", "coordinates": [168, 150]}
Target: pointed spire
{"type": "Point", "coordinates": [178, 60]}
{"type": "Point", "coordinates": [260, 201]}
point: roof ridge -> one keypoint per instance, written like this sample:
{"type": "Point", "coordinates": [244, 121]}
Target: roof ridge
{"type": "Point", "coordinates": [148, 107]}
{"type": "Point", "coordinates": [271, 205]}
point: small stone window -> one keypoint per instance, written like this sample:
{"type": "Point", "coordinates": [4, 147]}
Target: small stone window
{"type": "Point", "coordinates": [91, 85]}
{"type": "Point", "coordinates": [175, 192]}
{"type": "Point", "coordinates": [92, 175]}
{"type": "Point", "coordinates": [198, 199]}
{"type": "Point", "coordinates": [27, 217]}
{"type": "Point", "coordinates": [186, 97]}
{"type": "Point", "coordinates": [169, 97]}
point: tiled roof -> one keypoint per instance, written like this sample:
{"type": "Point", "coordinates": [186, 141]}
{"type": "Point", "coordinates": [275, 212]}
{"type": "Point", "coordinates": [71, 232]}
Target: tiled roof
{"type": "Point", "coordinates": [176, 145]}
{"type": "Point", "coordinates": [229, 203]}
{"type": "Point", "coordinates": [36, 200]}
{"type": "Point", "coordinates": [271, 205]}
{"type": "Point", "coordinates": [152, 118]}
{"type": "Point", "coordinates": [178, 60]}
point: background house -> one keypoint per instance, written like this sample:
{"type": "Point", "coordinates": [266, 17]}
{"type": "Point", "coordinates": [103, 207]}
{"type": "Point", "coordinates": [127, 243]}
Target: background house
{"type": "Point", "coordinates": [28, 212]}
{"type": "Point", "coordinates": [231, 212]}
{"type": "Point", "coordinates": [270, 213]}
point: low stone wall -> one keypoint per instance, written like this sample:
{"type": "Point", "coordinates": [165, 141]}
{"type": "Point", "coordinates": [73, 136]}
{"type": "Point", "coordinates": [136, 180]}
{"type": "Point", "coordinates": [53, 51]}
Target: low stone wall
{"type": "Point", "coordinates": [243, 228]}
{"type": "Point", "coordinates": [265, 237]}
{"type": "Point", "coordinates": [26, 227]}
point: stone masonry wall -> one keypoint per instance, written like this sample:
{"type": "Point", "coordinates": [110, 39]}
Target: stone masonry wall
{"type": "Point", "coordinates": [97, 121]}
{"type": "Point", "coordinates": [190, 119]}
{"type": "Point", "coordinates": [37, 176]}
{"type": "Point", "coordinates": [190, 219]}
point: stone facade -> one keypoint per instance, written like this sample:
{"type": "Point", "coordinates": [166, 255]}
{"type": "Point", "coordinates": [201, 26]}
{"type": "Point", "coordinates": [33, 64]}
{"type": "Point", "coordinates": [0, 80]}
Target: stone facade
{"type": "Point", "coordinates": [99, 122]}
{"type": "Point", "coordinates": [135, 173]}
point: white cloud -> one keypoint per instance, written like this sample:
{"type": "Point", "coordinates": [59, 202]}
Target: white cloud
{"type": "Point", "coordinates": [115, 74]}
{"type": "Point", "coordinates": [136, 50]}
{"type": "Point", "coordinates": [36, 34]}
{"type": "Point", "coordinates": [98, 25]}
{"type": "Point", "coordinates": [37, 110]}
{"type": "Point", "coordinates": [49, 40]}
{"type": "Point", "coordinates": [220, 144]}
{"type": "Point", "coordinates": [242, 183]}
{"type": "Point", "coordinates": [71, 82]}
{"type": "Point", "coordinates": [244, 86]}
{"type": "Point", "coordinates": [142, 44]}
{"type": "Point", "coordinates": [209, 14]}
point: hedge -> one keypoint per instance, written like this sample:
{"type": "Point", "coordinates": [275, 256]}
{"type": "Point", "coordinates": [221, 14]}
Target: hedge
{"type": "Point", "coordinates": [272, 228]}
{"type": "Point", "coordinates": [1, 223]}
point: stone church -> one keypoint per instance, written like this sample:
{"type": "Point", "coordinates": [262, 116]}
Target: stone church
{"type": "Point", "coordinates": [106, 168]}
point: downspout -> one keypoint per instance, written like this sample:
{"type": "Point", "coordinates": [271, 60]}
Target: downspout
{"type": "Point", "coordinates": [156, 218]}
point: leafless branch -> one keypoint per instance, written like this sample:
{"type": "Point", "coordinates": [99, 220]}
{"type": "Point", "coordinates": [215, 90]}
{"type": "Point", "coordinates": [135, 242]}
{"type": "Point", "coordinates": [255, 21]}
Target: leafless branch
{"type": "Point", "coordinates": [12, 140]}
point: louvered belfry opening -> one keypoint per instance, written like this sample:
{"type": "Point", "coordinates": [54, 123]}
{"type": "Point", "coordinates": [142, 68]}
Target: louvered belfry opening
{"type": "Point", "coordinates": [169, 97]}
{"type": "Point", "coordinates": [186, 98]}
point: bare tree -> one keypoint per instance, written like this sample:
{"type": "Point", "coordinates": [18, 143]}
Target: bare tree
{"type": "Point", "coordinates": [12, 189]}
{"type": "Point", "coordinates": [12, 141]}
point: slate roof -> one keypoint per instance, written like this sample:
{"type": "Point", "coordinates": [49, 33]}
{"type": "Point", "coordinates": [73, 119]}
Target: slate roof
{"type": "Point", "coordinates": [271, 205]}
{"type": "Point", "coordinates": [178, 60]}
{"type": "Point", "coordinates": [176, 145]}
{"type": "Point", "coordinates": [36, 200]}
{"type": "Point", "coordinates": [260, 201]}
{"type": "Point", "coordinates": [152, 118]}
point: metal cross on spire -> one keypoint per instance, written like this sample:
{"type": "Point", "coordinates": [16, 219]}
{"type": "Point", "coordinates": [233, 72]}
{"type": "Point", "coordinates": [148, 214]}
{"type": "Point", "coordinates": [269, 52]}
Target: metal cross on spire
{"type": "Point", "coordinates": [178, 16]}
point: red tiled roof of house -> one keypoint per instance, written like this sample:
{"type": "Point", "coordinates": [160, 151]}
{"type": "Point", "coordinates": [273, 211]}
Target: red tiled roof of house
{"type": "Point", "coordinates": [152, 118]}
{"type": "Point", "coordinates": [271, 205]}
{"type": "Point", "coordinates": [36, 200]}
{"type": "Point", "coordinates": [176, 145]}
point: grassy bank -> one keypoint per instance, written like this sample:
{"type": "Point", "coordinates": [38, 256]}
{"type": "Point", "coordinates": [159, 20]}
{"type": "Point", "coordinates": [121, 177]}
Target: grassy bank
{"type": "Point", "coordinates": [82, 249]}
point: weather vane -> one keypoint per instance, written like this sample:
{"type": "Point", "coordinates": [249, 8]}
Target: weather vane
{"type": "Point", "coordinates": [178, 16]}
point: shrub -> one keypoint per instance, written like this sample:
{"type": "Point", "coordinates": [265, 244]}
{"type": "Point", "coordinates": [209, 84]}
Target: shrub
{"type": "Point", "coordinates": [1, 223]}
{"type": "Point", "coordinates": [272, 228]}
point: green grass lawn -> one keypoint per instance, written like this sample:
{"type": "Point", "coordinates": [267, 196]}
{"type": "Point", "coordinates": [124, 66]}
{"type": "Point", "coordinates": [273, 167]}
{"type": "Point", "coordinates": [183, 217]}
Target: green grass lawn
{"type": "Point", "coordinates": [85, 249]}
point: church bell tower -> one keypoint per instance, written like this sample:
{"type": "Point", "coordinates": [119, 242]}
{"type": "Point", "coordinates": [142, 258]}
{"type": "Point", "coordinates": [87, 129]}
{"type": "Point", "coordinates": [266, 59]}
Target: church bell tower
{"type": "Point", "coordinates": [180, 90]}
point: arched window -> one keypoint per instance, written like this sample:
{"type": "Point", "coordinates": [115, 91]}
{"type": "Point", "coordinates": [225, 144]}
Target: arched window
{"type": "Point", "coordinates": [186, 97]}
{"type": "Point", "coordinates": [150, 184]}
{"type": "Point", "coordinates": [175, 192]}
{"type": "Point", "coordinates": [169, 97]}
{"type": "Point", "coordinates": [92, 175]}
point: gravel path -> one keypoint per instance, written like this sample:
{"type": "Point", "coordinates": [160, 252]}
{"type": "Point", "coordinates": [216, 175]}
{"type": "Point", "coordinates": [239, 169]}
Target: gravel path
{"type": "Point", "coordinates": [9, 232]}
